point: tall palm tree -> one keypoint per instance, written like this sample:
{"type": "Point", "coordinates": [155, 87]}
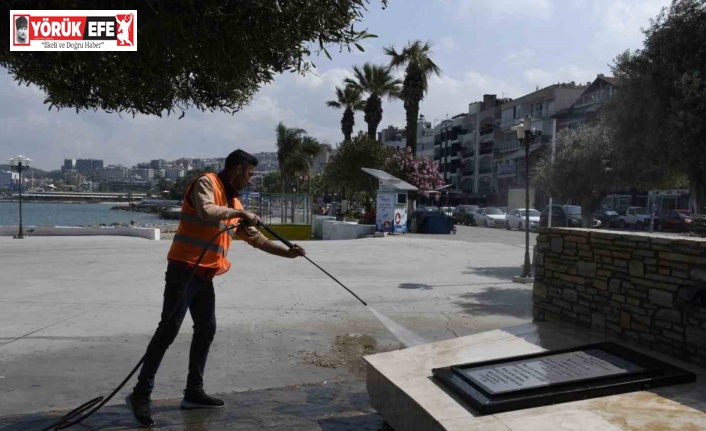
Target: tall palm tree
{"type": "Point", "coordinates": [419, 69]}
{"type": "Point", "coordinates": [289, 142]}
{"type": "Point", "coordinates": [377, 82]}
{"type": "Point", "coordinates": [350, 99]}
{"type": "Point", "coordinates": [295, 153]}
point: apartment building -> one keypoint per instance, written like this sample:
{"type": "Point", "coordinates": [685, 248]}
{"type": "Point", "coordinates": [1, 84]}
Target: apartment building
{"type": "Point", "coordinates": [587, 105]}
{"type": "Point", "coordinates": [508, 163]}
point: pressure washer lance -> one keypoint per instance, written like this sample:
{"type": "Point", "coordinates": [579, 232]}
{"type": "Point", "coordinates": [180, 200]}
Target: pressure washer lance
{"type": "Point", "coordinates": [290, 245]}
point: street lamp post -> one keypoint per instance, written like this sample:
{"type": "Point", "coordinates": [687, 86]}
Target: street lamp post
{"type": "Point", "coordinates": [525, 136]}
{"type": "Point", "coordinates": [19, 164]}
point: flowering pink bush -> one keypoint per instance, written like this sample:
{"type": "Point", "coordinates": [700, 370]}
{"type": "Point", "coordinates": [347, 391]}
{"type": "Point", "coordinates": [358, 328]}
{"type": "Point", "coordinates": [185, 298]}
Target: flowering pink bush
{"type": "Point", "coordinates": [416, 170]}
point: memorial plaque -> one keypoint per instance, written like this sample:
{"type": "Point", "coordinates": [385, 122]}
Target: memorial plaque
{"type": "Point", "coordinates": [558, 376]}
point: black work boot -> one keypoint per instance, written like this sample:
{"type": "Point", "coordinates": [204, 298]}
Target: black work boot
{"type": "Point", "coordinates": [198, 399]}
{"type": "Point", "coordinates": [140, 408]}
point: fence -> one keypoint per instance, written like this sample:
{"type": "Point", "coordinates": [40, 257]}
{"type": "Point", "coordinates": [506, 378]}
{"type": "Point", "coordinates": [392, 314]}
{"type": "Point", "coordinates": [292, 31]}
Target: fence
{"type": "Point", "coordinates": [279, 208]}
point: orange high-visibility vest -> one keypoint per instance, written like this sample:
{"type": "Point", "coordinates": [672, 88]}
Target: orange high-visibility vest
{"type": "Point", "coordinates": [194, 233]}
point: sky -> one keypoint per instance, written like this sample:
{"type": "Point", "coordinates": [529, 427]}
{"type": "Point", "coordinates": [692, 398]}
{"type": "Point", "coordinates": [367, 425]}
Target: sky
{"type": "Point", "coordinates": [504, 47]}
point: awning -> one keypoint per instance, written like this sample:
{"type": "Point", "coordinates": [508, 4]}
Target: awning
{"type": "Point", "coordinates": [389, 180]}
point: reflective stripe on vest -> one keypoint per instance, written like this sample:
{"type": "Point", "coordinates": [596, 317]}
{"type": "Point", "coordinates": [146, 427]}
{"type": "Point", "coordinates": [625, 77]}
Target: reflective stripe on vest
{"type": "Point", "coordinates": [199, 243]}
{"type": "Point", "coordinates": [194, 233]}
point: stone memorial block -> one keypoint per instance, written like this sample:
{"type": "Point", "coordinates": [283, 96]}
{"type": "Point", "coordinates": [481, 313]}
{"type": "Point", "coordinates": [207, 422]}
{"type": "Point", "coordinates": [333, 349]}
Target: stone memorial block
{"type": "Point", "coordinates": [557, 376]}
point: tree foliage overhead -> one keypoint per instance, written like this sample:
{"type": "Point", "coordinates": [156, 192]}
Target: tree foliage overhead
{"type": "Point", "coordinates": [583, 169]}
{"type": "Point", "coordinates": [658, 113]}
{"type": "Point", "coordinates": [212, 55]}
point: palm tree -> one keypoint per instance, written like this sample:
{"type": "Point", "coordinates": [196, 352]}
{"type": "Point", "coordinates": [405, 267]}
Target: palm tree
{"type": "Point", "coordinates": [350, 99]}
{"type": "Point", "coordinates": [419, 69]}
{"type": "Point", "coordinates": [288, 143]}
{"type": "Point", "coordinates": [377, 82]}
{"type": "Point", "coordinates": [295, 153]}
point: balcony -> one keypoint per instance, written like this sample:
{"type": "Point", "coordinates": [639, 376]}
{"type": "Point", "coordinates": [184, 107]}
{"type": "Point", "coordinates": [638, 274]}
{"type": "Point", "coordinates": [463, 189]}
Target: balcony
{"type": "Point", "coordinates": [485, 170]}
{"type": "Point", "coordinates": [456, 147]}
{"type": "Point", "coordinates": [467, 153]}
{"type": "Point", "coordinates": [592, 98]}
{"type": "Point", "coordinates": [488, 128]}
{"type": "Point", "coordinates": [486, 148]}
{"type": "Point", "coordinates": [467, 172]}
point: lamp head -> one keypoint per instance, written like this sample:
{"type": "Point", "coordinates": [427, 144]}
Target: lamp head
{"type": "Point", "coordinates": [527, 123]}
{"type": "Point", "coordinates": [520, 130]}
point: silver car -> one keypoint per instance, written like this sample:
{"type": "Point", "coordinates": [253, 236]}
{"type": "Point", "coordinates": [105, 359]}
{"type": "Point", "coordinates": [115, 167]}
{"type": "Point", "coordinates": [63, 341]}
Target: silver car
{"type": "Point", "coordinates": [517, 219]}
{"type": "Point", "coordinates": [489, 217]}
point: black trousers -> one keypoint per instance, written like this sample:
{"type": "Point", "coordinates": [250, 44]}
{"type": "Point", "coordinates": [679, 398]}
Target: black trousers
{"type": "Point", "coordinates": [199, 298]}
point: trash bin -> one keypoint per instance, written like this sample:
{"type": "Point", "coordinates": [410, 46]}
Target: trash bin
{"type": "Point", "coordinates": [435, 223]}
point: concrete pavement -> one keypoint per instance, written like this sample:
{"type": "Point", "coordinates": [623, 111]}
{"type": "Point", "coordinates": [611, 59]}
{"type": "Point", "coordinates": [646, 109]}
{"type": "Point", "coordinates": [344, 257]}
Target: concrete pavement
{"type": "Point", "coordinates": [76, 314]}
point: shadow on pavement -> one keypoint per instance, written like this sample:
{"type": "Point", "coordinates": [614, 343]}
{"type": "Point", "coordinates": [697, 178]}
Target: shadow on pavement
{"type": "Point", "coordinates": [510, 301]}
{"type": "Point", "coordinates": [500, 272]}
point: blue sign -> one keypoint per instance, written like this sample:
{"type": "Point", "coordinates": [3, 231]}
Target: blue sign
{"type": "Point", "coordinates": [507, 169]}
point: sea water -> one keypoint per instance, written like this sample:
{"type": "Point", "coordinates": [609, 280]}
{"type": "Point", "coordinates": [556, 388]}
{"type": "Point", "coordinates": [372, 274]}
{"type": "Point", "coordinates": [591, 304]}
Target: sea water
{"type": "Point", "coordinates": [72, 214]}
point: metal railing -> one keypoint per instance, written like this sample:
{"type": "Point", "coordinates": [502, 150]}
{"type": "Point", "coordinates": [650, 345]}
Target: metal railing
{"type": "Point", "coordinates": [278, 208]}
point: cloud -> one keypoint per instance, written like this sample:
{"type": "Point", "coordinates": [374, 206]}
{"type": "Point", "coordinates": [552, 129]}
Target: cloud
{"type": "Point", "coordinates": [620, 22]}
{"type": "Point", "coordinates": [463, 9]}
{"type": "Point", "coordinates": [49, 137]}
{"type": "Point", "coordinates": [520, 58]}
{"type": "Point", "coordinates": [450, 96]}
{"type": "Point", "coordinates": [541, 78]}
{"type": "Point", "coordinates": [445, 45]}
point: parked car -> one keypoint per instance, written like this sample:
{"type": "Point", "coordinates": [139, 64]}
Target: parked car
{"type": "Point", "coordinates": [449, 211]}
{"type": "Point", "coordinates": [564, 216]}
{"type": "Point", "coordinates": [635, 217]}
{"type": "Point", "coordinates": [489, 217]}
{"type": "Point", "coordinates": [463, 214]}
{"type": "Point", "coordinates": [675, 220]}
{"type": "Point", "coordinates": [608, 218]}
{"type": "Point", "coordinates": [517, 219]}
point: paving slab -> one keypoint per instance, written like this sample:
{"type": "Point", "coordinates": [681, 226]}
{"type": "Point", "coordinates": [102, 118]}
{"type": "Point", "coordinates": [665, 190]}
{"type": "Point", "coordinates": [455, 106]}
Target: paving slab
{"type": "Point", "coordinates": [324, 407]}
{"type": "Point", "coordinates": [76, 313]}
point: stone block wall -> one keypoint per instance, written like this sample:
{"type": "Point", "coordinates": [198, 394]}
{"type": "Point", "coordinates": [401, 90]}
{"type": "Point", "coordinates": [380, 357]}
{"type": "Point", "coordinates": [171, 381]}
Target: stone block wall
{"type": "Point", "coordinates": [640, 286]}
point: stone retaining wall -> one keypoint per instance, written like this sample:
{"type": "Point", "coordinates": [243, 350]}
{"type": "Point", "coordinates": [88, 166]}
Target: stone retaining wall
{"type": "Point", "coordinates": [644, 287]}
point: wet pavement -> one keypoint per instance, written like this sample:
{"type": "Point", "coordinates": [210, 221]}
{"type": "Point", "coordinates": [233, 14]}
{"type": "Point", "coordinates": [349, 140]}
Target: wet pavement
{"type": "Point", "coordinates": [336, 406]}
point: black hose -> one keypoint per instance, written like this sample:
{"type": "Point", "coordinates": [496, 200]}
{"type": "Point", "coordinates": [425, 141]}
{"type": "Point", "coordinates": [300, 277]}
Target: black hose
{"type": "Point", "coordinates": [100, 401]}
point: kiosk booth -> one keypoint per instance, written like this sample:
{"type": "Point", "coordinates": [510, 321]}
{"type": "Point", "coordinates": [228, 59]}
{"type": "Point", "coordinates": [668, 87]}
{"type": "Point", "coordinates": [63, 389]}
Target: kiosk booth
{"type": "Point", "coordinates": [391, 205]}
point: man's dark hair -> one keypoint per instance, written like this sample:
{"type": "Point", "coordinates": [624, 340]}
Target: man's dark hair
{"type": "Point", "coordinates": [240, 157]}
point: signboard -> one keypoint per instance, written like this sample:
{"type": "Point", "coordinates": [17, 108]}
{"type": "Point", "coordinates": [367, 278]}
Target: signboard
{"type": "Point", "coordinates": [385, 211]}
{"type": "Point", "coordinates": [507, 169]}
{"type": "Point", "coordinates": [400, 221]}
{"type": "Point", "coordinates": [549, 370]}
{"type": "Point", "coordinates": [552, 377]}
